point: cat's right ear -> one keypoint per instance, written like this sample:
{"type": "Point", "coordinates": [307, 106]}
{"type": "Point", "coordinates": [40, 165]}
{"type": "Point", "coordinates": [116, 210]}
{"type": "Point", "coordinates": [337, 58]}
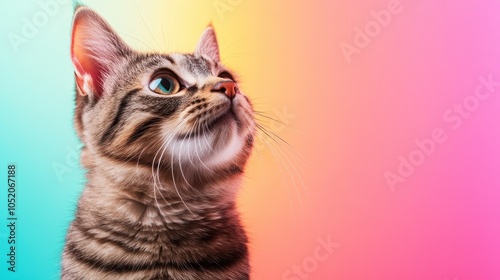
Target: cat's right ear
{"type": "Point", "coordinates": [207, 44]}
{"type": "Point", "coordinates": [95, 48]}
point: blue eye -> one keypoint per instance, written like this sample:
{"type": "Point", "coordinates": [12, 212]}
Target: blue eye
{"type": "Point", "coordinates": [164, 84]}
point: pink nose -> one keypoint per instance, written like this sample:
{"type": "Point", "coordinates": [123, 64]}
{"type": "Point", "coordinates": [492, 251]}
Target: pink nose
{"type": "Point", "coordinates": [230, 89]}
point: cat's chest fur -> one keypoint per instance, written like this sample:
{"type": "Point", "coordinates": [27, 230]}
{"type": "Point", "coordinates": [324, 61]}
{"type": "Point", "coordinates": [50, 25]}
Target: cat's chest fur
{"type": "Point", "coordinates": [131, 236]}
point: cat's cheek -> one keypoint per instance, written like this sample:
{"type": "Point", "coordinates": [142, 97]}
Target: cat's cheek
{"type": "Point", "coordinates": [244, 112]}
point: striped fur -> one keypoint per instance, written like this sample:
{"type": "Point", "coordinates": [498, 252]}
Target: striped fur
{"type": "Point", "coordinates": [163, 170]}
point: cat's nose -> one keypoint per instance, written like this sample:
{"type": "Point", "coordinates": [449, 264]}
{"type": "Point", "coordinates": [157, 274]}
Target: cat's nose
{"type": "Point", "coordinates": [229, 88]}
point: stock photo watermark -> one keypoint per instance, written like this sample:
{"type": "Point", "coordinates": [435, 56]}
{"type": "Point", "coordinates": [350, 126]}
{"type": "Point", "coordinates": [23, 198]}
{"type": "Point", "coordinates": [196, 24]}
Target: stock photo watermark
{"type": "Point", "coordinates": [453, 119]}
{"type": "Point", "coordinates": [364, 35]}
{"type": "Point", "coordinates": [323, 251]}
{"type": "Point", "coordinates": [70, 163]}
{"type": "Point", "coordinates": [31, 25]}
{"type": "Point", "coordinates": [223, 6]}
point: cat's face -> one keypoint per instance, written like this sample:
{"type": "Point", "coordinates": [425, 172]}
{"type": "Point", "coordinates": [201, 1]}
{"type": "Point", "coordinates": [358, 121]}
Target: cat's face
{"type": "Point", "coordinates": [172, 109]}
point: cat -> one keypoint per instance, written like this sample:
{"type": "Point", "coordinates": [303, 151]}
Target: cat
{"type": "Point", "coordinates": [165, 139]}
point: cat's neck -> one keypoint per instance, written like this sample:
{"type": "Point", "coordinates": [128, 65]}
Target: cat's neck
{"type": "Point", "coordinates": [139, 194]}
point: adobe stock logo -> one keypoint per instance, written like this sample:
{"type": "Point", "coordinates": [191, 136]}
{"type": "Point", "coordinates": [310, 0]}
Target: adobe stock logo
{"type": "Point", "coordinates": [68, 166]}
{"type": "Point", "coordinates": [454, 118]}
{"type": "Point", "coordinates": [223, 6]}
{"type": "Point", "coordinates": [373, 28]}
{"type": "Point", "coordinates": [310, 264]}
{"type": "Point", "coordinates": [31, 25]}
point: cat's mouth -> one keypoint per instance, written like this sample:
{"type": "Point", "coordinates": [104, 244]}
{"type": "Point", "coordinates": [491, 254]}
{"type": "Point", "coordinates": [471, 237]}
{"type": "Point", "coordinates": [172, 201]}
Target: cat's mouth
{"type": "Point", "coordinates": [222, 119]}
{"type": "Point", "coordinates": [211, 125]}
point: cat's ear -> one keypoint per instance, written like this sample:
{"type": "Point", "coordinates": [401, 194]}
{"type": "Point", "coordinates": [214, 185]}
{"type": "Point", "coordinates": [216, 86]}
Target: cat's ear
{"type": "Point", "coordinates": [207, 45]}
{"type": "Point", "coordinates": [95, 49]}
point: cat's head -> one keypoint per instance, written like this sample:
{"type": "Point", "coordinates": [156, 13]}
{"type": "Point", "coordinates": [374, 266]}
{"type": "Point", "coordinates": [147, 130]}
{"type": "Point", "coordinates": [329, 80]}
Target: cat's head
{"type": "Point", "coordinates": [152, 107]}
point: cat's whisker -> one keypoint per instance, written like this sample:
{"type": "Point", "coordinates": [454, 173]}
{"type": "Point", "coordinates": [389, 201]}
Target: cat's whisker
{"type": "Point", "coordinates": [145, 25]}
{"type": "Point", "coordinates": [231, 44]}
{"type": "Point", "coordinates": [274, 146]}
{"type": "Point", "coordinates": [276, 137]}
{"type": "Point", "coordinates": [155, 185]}
{"type": "Point", "coordinates": [168, 42]}
{"type": "Point", "coordinates": [175, 186]}
{"type": "Point", "coordinates": [137, 162]}
{"type": "Point", "coordinates": [131, 157]}
{"type": "Point", "coordinates": [197, 139]}
{"type": "Point", "coordinates": [164, 41]}
{"type": "Point", "coordinates": [277, 154]}
{"type": "Point", "coordinates": [199, 126]}
{"type": "Point", "coordinates": [138, 40]}
{"type": "Point", "coordinates": [235, 54]}
{"type": "Point", "coordinates": [290, 202]}
{"type": "Point", "coordinates": [272, 149]}
{"type": "Point", "coordinates": [180, 164]}
{"type": "Point", "coordinates": [260, 114]}
{"type": "Point", "coordinates": [190, 134]}
{"type": "Point", "coordinates": [206, 131]}
{"type": "Point", "coordinates": [242, 55]}
{"type": "Point", "coordinates": [267, 121]}
{"type": "Point", "coordinates": [156, 176]}
{"type": "Point", "coordinates": [167, 143]}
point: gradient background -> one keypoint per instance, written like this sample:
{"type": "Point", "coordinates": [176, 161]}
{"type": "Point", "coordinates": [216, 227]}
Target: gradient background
{"type": "Point", "coordinates": [347, 124]}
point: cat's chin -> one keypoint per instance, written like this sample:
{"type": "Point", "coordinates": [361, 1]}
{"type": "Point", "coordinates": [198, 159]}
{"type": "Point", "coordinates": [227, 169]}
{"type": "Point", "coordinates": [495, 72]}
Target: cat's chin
{"type": "Point", "coordinates": [216, 144]}
{"type": "Point", "coordinates": [217, 125]}
{"type": "Point", "coordinates": [222, 121]}
{"type": "Point", "coordinates": [226, 150]}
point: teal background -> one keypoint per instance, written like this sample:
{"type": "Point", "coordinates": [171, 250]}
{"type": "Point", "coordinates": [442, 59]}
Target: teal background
{"type": "Point", "coordinates": [37, 135]}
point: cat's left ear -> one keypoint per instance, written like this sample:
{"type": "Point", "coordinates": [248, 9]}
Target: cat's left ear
{"type": "Point", "coordinates": [95, 49]}
{"type": "Point", "coordinates": [207, 45]}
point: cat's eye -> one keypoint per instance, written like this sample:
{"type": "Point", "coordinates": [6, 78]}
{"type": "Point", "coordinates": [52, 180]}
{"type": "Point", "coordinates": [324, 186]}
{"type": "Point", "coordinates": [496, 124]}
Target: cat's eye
{"type": "Point", "coordinates": [164, 84]}
{"type": "Point", "coordinates": [226, 75]}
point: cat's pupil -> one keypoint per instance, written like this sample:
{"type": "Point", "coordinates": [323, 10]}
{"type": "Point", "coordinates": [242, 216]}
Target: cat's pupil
{"type": "Point", "coordinates": [163, 85]}
{"type": "Point", "coordinates": [166, 85]}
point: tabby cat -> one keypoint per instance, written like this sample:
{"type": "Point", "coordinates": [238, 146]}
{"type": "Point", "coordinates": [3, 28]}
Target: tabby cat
{"type": "Point", "coordinates": [166, 138]}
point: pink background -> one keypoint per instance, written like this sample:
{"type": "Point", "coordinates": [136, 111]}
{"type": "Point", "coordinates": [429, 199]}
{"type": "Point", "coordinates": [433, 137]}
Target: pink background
{"type": "Point", "coordinates": [349, 123]}
{"type": "Point", "coordinates": [355, 119]}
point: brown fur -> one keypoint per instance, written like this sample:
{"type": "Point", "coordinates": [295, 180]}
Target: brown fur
{"type": "Point", "coordinates": [159, 202]}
